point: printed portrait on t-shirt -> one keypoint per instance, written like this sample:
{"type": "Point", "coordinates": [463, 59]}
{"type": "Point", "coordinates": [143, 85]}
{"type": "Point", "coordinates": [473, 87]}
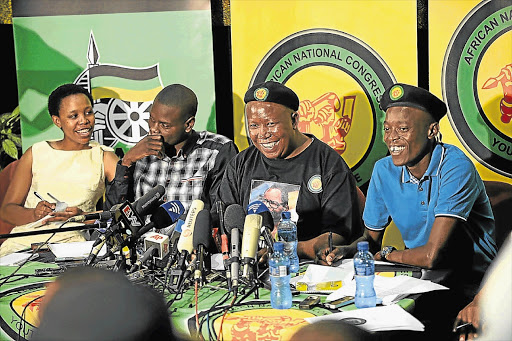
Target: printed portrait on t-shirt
{"type": "Point", "coordinates": [277, 196]}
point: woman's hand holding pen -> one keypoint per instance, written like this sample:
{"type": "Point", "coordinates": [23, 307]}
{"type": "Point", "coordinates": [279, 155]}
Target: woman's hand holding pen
{"type": "Point", "coordinates": [45, 208]}
{"type": "Point", "coordinates": [63, 215]}
{"type": "Point", "coordinates": [42, 209]}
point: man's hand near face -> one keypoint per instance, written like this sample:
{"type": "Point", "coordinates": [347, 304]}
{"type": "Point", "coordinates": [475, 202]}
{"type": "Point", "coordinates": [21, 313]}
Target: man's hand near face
{"type": "Point", "coordinates": [149, 145]}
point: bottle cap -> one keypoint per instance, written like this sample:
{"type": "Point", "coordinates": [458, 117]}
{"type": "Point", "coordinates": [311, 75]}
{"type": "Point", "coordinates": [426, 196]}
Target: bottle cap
{"type": "Point", "coordinates": [286, 215]}
{"type": "Point", "coordinates": [363, 246]}
{"type": "Point", "coordinates": [278, 246]}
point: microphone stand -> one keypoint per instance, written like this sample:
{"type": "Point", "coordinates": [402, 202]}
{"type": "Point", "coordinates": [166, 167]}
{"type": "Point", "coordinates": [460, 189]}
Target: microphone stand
{"type": "Point", "coordinates": [255, 285]}
{"type": "Point", "coordinates": [252, 281]}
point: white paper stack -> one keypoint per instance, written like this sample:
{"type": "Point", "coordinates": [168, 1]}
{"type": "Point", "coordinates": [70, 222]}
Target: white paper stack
{"type": "Point", "coordinates": [381, 318]}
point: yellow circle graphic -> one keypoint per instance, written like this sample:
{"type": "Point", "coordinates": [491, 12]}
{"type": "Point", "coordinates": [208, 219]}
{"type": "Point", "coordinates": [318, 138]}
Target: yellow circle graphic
{"type": "Point", "coordinates": [261, 94]}
{"type": "Point", "coordinates": [494, 82]}
{"type": "Point", "coordinates": [396, 92]}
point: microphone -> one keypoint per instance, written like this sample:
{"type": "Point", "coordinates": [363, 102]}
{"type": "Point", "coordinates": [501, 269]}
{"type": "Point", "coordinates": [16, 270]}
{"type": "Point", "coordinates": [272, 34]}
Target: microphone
{"type": "Point", "coordinates": [146, 202]}
{"type": "Point", "coordinates": [152, 251]}
{"type": "Point", "coordinates": [234, 220]}
{"type": "Point", "coordinates": [267, 225]}
{"type": "Point", "coordinates": [101, 216]}
{"type": "Point", "coordinates": [165, 215]}
{"type": "Point", "coordinates": [159, 241]}
{"type": "Point", "coordinates": [127, 217]}
{"type": "Point", "coordinates": [185, 244]}
{"type": "Point", "coordinates": [100, 241]}
{"type": "Point", "coordinates": [174, 237]}
{"type": "Point", "coordinates": [250, 240]}
{"type": "Point", "coordinates": [218, 212]}
{"type": "Point", "coordinates": [131, 213]}
{"type": "Point", "coordinates": [201, 241]}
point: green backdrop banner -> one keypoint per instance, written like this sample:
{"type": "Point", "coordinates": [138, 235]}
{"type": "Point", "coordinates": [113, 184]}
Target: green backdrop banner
{"type": "Point", "coordinates": [124, 59]}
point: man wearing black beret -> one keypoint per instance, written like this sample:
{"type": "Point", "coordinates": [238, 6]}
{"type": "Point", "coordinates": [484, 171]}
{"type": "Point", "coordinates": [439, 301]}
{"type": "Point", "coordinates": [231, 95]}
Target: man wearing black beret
{"type": "Point", "coordinates": [432, 192]}
{"type": "Point", "coordinates": [316, 184]}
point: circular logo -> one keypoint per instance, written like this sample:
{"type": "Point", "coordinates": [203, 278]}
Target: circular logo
{"type": "Point", "coordinates": [477, 84]}
{"type": "Point", "coordinates": [340, 81]}
{"type": "Point", "coordinates": [261, 94]}
{"type": "Point", "coordinates": [315, 184]}
{"type": "Point", "coordinates": [396, 92]}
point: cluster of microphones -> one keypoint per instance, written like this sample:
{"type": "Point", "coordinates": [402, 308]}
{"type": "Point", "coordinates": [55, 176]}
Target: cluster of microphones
{"type": "Point", "coordinates": [238, 234]}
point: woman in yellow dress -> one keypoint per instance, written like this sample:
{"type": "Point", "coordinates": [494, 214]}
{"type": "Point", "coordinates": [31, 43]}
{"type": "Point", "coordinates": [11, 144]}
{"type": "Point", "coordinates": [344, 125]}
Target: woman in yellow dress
{"type": "Point", "coordinates": [72, 170]}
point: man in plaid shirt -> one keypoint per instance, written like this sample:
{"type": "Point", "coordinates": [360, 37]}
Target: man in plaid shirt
{"type": "Point", "coordinates": [187, 163]}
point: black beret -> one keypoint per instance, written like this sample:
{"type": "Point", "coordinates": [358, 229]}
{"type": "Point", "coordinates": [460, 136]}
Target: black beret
{"type": "Point", "coordinates": [275, 92]}
{"type": "Point", "coordinates": [404, 95]}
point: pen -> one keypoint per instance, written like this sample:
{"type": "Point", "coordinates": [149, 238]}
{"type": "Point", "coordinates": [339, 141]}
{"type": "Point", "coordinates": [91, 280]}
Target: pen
{"type": "Point", "coordinates": [38, 196]}
{"type": "Point", "coordinates": [330, 242]}
{"type": "Point", "coordinates": [462, 326]}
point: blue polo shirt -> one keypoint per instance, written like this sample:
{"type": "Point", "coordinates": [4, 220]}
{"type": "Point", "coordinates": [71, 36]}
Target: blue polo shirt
{"type": "Point", "coordinates": [451, 187]}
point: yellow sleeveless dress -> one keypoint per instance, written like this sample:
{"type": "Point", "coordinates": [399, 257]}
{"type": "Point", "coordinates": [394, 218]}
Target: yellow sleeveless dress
{"type": "Point", "coordinates": [74, 177]}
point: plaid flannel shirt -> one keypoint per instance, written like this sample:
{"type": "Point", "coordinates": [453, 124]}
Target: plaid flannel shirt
{"type": "Point", "coordinates": [193, 173]}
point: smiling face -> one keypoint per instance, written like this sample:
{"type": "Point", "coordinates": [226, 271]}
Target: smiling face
{"type": "Point", "coordinates": [273, 129]}
{"type": "Point", "coordinates": [410, 134]}
{"type": "Point", "coordinates": [76, 119]}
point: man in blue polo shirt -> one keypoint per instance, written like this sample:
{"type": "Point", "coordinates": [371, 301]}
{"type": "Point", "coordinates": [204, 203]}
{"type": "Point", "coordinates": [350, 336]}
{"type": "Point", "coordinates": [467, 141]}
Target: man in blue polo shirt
{"type": "Point", "coordinates": [434, 195]}
{"type": "Point", "coordinates": [432, 192]}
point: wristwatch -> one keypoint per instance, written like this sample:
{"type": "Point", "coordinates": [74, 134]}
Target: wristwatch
{"type": "Point", "coordinates": [386, 250]}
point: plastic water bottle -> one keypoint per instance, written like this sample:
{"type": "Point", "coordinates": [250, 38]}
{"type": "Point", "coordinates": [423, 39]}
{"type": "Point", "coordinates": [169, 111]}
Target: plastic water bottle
{"type": "Point", "coordinates": [287, 232]}
{"type": "Point", "coordinates": [364, 267]}
{"type": "Point", "coordinates": [279, 266]}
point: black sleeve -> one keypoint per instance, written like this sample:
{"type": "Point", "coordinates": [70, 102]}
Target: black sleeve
{"type": "Point", "coordinates": [120, 189]}
{"type": "Point", "coordinates": [226, 153]}
{"type": "Point", "coordinates": [340, 211]}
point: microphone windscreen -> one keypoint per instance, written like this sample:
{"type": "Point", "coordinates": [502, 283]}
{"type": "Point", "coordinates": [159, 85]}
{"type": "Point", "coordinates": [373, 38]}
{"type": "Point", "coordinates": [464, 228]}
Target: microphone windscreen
{"type": "Point", "coordinates": [256, 207]}
{"type": "Point", "coordinates": [251, 235]}
{"type": "Point", "coordinates": [167, 214]}
{"type": "Point", "coordinates": [146, 202]}
{"type": "Point", "coordinates": [202, 230]}
{"type": "Point", "coordinates": [267, 219]}
{"type": "Point", "coordinates": [234, 217]}
{"type": "Point", "coordinates": [185, 242]}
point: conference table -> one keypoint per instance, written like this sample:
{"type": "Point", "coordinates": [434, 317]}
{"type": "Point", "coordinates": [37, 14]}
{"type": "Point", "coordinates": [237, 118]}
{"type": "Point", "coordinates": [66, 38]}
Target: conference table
{"type": "Point", "coordinates": [249, 317]}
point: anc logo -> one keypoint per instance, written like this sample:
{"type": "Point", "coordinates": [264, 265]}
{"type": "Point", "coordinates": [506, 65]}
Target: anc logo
{"type": "Point", "coordinates": [396, 92]}
{"type": "Point", "coordinates": [20, 313]}
{"type": "Point", "coordinates": [123, 98]}
{"type": "Point", "coordinates": [315, 184]}
{"type": "Point", "coordinates": [261, 94]}
{"type": "Point", "coordinates": [477, 84]}
{"type": "Point", "coordinates": [253, 320]}
{"type": "Point", "coordinates": [340, 81]}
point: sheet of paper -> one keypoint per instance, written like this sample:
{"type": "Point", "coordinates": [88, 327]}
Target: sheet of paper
{"type": "Point", "coordinates": [14, 259]}
{"type": "Point", "coordinates": [385, 286]}
{"type": "Point", "coordinates": [317, 274]}
{"type": "Point", "coordinates": [76, 250]}
{"type": "Point", "coordinates": [381, 318]}
{"type": "Point", "coordinates": [37, 223]}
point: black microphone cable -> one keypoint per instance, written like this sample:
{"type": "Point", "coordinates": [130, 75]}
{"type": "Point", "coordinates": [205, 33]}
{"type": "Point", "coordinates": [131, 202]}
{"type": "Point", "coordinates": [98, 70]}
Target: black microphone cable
{"type": "Point", "coordinates": [34, 251]}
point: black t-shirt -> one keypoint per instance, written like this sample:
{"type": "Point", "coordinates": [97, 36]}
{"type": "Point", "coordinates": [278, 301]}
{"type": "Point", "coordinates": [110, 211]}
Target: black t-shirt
{"type": "Point", "coordinates": [317, 186]}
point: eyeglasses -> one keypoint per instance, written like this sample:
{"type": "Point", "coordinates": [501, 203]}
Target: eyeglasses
{"type": "Point", "coordinates": [274, 205]}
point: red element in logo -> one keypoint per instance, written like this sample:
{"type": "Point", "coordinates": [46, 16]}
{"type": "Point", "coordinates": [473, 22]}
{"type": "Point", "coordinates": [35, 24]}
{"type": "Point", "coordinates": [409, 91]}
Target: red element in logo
{"type": "Point", "coordinates": [261, 327]}
{"type": "Point", "coordinates": [325, 112]}
{"type": "Point", "coordinates": [505, 79]}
